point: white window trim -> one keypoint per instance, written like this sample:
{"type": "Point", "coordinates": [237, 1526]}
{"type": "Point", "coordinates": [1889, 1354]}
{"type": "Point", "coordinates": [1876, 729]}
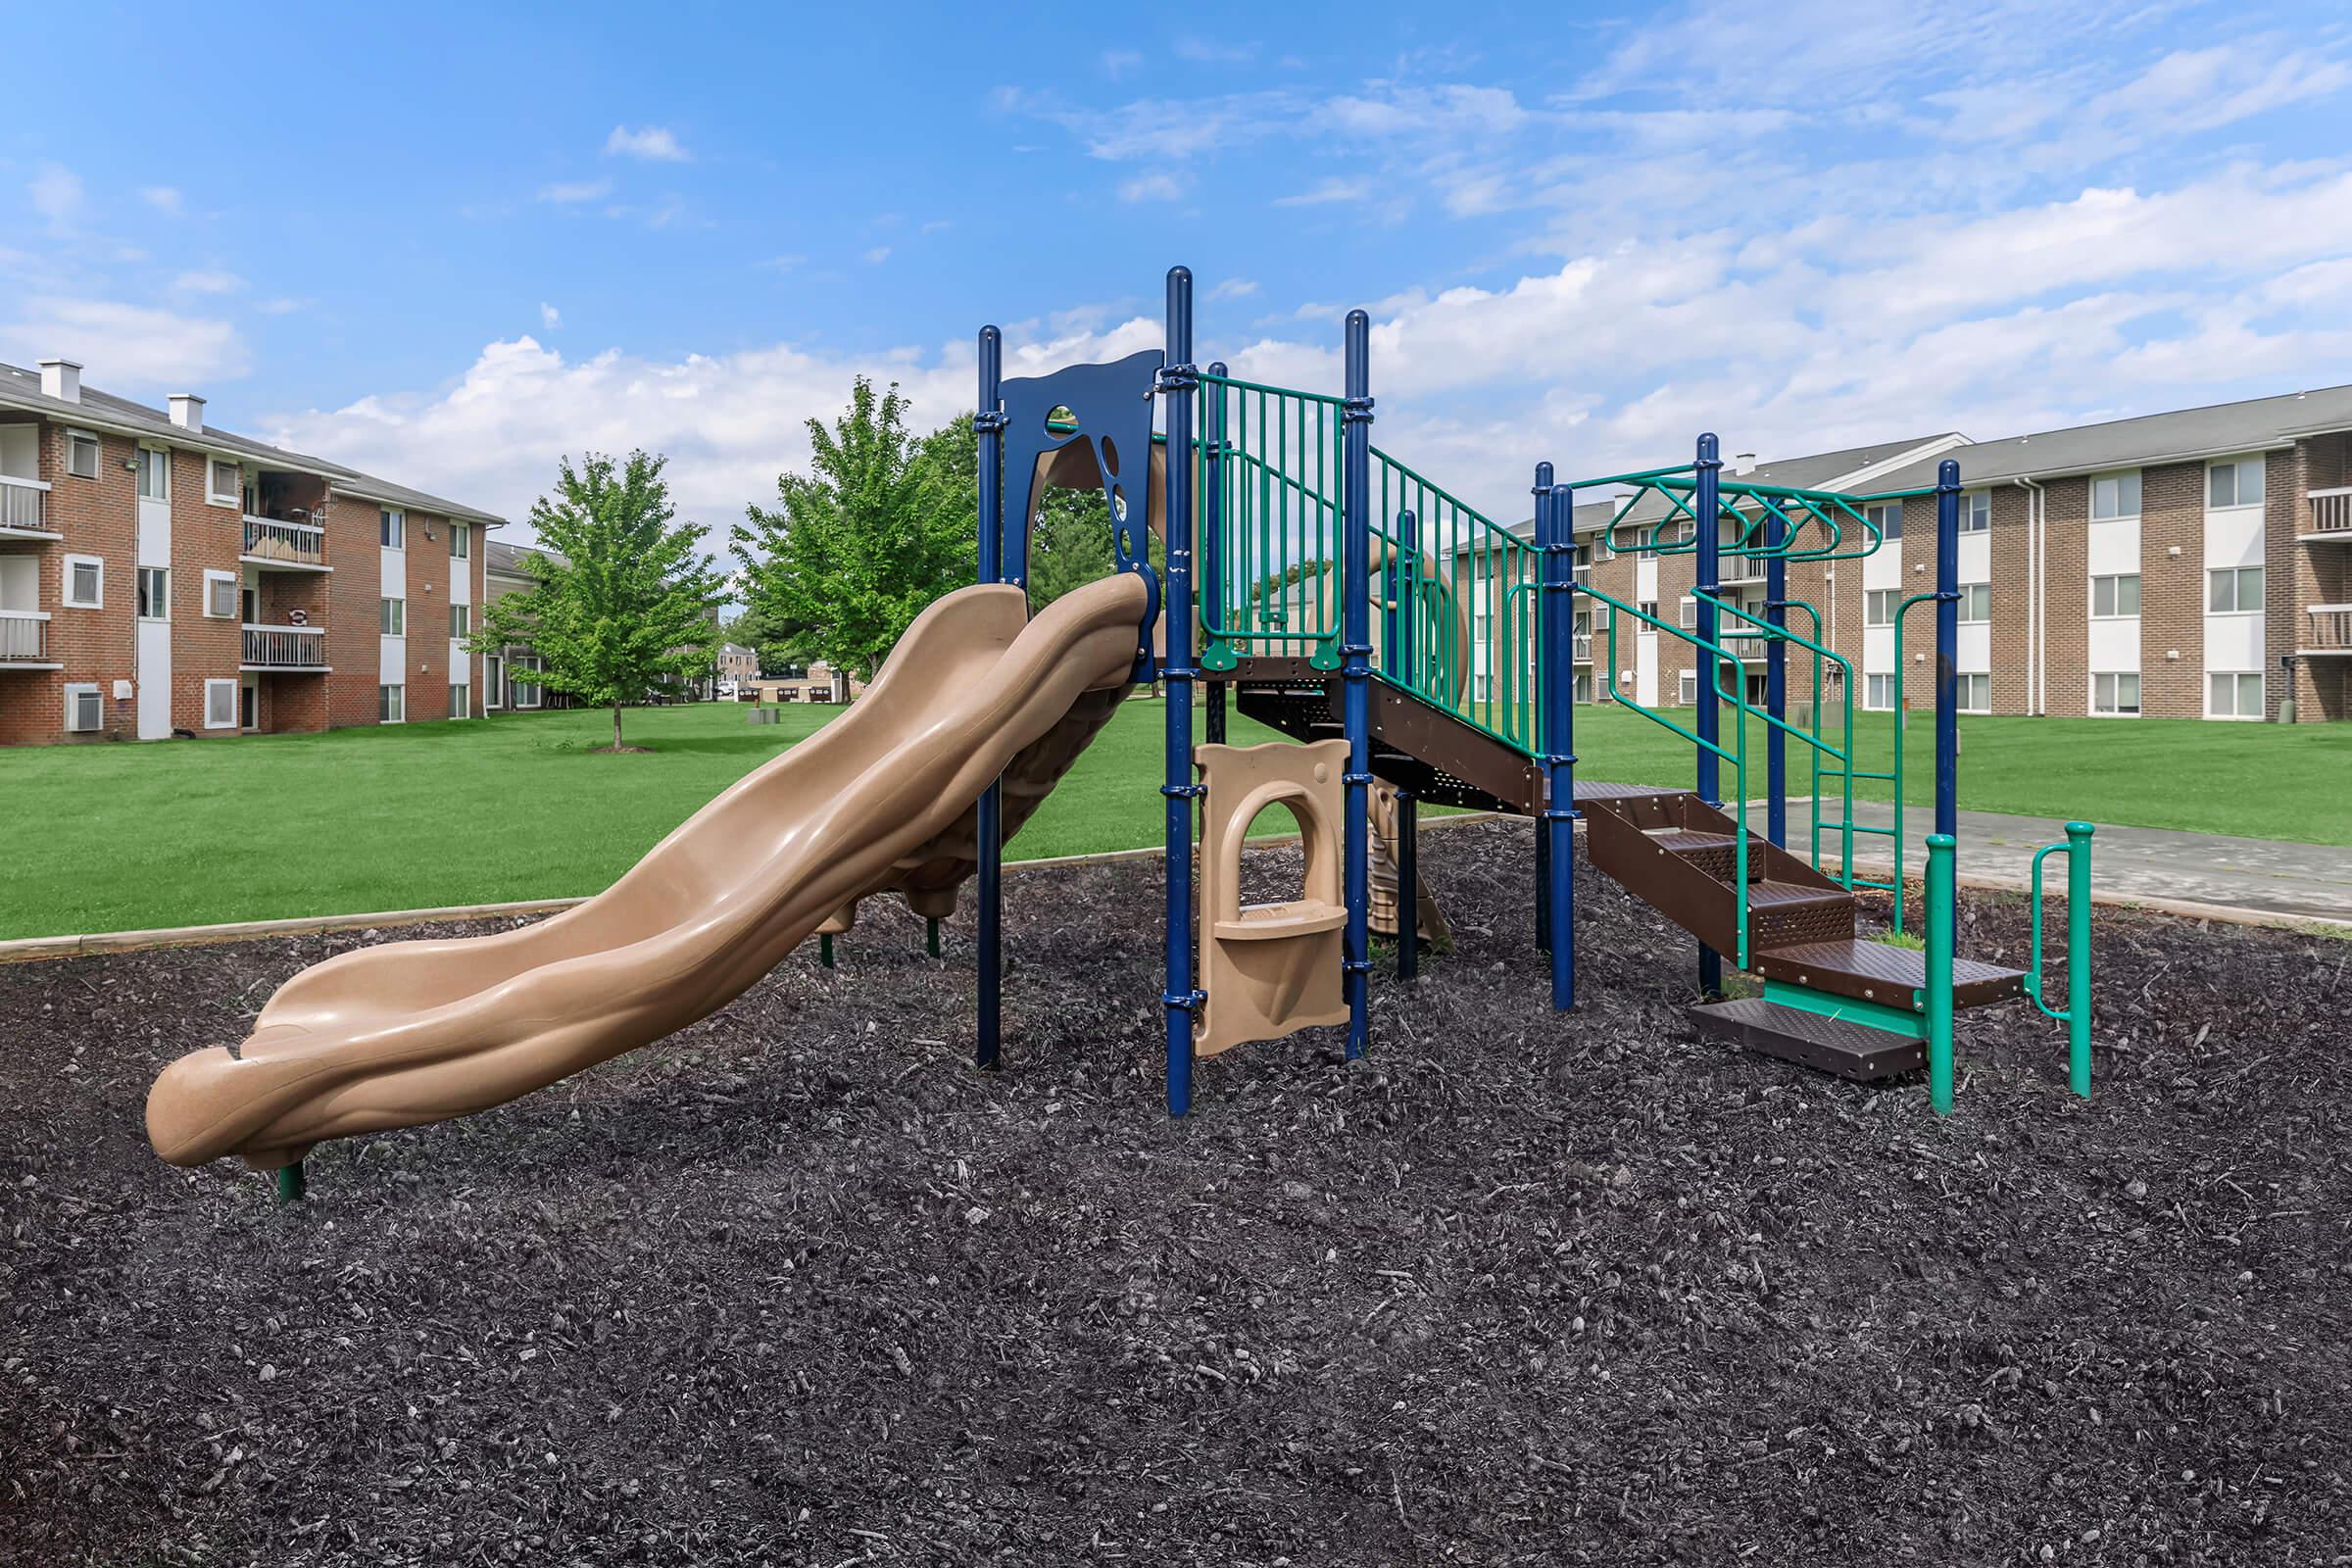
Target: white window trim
{"type": "Point", "coordinates": [140, 571]}
{"type": "Point", "coordinates": [2115, 614]}
{"type": "Point", "coordinates": [1968, 503]}
{"type": "Point", "coordinates": [457, 531]}
{"type": "Point", "coordinates": [234, 701]}
{"type": "Point", "coordinates": [2090, 498]}
{"type": "Point", "coordinates": [236, 602]}
{"type": "Point", "coordinates": [2258, 610]}
{"type": "Point", "coordinates": [137, 474]}
{"type": "Point", "coordinates": [232, 502]}
{"type": "Point", "coordinates": [76, 689]}
{"type": "Point", "coordinates": [2231, 462]}
{"type": "Point", "coordinates": [1895, 686]}
{"type": "Point", "coordinates": [400, 527]}
{"type": "Point", "coordinates": [2096, 711]}
{"type": "Point", "coordinates": [64, 590]}
{"type": "Point", "coordinates": [2230, 718]}
{"type": "Point", "coordinates": [1962, 679]}
{"type": "Point", "coordinates": [97, 464]}
{"type": "Point", "coordinates": [1966, 619]}
{"type": "Point", "coordinates": [399, 686]}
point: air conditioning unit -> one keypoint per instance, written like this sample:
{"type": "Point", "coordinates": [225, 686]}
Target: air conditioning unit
{"type": "Point", "coordinates": [85, 712]}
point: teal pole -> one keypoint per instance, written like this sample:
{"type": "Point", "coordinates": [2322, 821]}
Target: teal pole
{"type": "Point", "coordinates": [824, 951]}
{"type": "Point", "coordinates": [2078, 955]}
{"type": "Point", "coordinates": [931, 937]}
{"type": "Point", "coordinates": [291, 1184]}
{"type": "Point", "coordinates": [1940, 933]}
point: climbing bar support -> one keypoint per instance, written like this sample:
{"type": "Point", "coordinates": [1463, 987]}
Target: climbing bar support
{"type": "Point", "coordinates": [2076, 1014]}
{"type": "Point", "coordinates": [1940, 924]}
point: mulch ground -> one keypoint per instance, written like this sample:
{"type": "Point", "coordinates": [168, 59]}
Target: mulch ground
{"type": "Point", "coordinates": [799, 1286]}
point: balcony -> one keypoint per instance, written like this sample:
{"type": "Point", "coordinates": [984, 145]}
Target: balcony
{"type": "Point", "coordinates": [1583, 648]}
{"type": "Point", "coordinates": [300, 649]}
{"type": "Point", "coordinates": [2330, 631]}
{"type": "Point", "coordinates": [2331, 516]}
{"type": "Point", "coordinates": [25, 640]}
{"type": "Point", "coordinates": [24, 509]}
{"type": "Point", "coordinates": [274, 544]}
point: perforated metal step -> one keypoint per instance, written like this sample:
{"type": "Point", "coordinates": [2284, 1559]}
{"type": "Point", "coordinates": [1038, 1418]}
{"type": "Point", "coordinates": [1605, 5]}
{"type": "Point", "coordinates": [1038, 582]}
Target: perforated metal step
{"type": "Point", "coordinates": [1837, 1046]}
{"type": "Point", "coordinates": [1873, 971]}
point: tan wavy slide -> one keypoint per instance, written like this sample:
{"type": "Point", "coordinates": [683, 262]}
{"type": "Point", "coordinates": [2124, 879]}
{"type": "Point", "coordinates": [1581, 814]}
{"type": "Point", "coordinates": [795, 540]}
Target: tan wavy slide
{"type": "Point", "coordinates": [881, 797]}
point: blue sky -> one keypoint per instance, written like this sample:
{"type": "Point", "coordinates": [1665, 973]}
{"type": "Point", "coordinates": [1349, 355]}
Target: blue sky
{"type": "Point", "coordinates": [450, 245]}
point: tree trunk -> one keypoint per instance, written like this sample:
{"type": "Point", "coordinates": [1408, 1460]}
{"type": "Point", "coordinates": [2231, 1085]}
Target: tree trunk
{"type": "Point", "coordinates": [617, 726]}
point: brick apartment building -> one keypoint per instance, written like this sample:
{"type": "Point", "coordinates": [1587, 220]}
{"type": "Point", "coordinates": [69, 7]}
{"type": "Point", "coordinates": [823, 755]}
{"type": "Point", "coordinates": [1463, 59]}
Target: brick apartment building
{"type": "Point", "coordinates": [160, 576]}
{"type": "Point", "coordinates": [2192, 564]}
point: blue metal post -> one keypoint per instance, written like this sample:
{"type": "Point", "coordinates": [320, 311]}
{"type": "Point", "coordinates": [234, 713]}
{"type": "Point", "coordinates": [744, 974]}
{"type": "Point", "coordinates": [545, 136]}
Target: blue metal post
{"type": "Point", "coordinates": [1542, 494]}
{"type": "Point", "coordinates": [1355, 669]}
{"type": "Point", "coordinates": [1178, 381]}
{"type": "Point", "coordinates": [988, 423]}
{"type": "Point", "coordinates": [1710, 582]}
{"type": "Point", "coordinates": [1775, 682]}
{"type": "Point", "coordinates": [1947, 646]}
{"type": "Point", "coordinates": [1555, 684]}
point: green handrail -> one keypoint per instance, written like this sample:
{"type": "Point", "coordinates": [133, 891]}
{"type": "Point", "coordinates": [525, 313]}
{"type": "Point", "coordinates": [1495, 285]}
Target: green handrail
{"type": "Point", "coordinates": [2076, 1014]}
{"type": "Point", "coordinates": [1278, 464]}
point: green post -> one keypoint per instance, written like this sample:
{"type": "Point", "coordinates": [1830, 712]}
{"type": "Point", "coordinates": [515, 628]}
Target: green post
{"type": "Point", "coordinates": [2078, 955]}
{"type": "Point", "coordinates": [825, 949]}
{"type": "Point", "coordinates": [290, 1185]}
{"type": "Point", "coordinates": [1941, 922]}
{"type": "Point", "coordinates": [931, 937]}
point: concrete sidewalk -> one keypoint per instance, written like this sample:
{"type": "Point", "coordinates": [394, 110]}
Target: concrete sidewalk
{"type": "Point", "coordinates": [2134, 864]}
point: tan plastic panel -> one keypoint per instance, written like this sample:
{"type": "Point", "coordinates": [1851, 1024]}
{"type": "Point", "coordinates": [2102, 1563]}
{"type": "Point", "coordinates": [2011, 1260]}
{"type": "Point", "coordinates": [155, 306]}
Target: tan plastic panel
{"type": "Point", "coordinates": [413, 1032]}
{"type": "Point", "coordinates": [1270, 968]}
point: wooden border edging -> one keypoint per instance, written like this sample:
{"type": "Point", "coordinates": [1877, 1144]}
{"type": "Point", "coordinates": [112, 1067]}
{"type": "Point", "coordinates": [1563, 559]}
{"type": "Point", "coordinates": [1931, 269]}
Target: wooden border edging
{"type": "Point", "coordinates": [26, 950]}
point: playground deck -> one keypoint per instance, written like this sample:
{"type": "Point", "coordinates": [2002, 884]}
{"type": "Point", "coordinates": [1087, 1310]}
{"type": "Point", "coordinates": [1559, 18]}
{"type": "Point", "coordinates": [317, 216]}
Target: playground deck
{"type": "Point", "coordinates": [799, 1286]}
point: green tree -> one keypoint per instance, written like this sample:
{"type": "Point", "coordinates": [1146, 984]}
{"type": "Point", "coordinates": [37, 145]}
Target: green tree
{"type": "Point", "coordinates": [624, 604]}
{"type": "Point", "coordinates": [881, 526]}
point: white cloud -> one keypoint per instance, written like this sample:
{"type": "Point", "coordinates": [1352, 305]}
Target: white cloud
{"type": "Point", "coordinates": [211, 281]}
{"type": "Point", "coordinates": [1154, 186]}
{"type": "Point", "coordinates": [549, 317]}
{"type": "Point", "coordinates": [877, 255]}
{"type": "Point", "coordinates": [1330, 189]}
{"type": "Point", "coordinates": [1233, 288]}
{"type": "Point", "coordinates": [125, 348]}
{"type": "Point", "coordinates": [653, 144]}
{"type": "Point", "coordinates": [162, 198]}
{"type": "Point", "coordinates": [566, 192]}
{"type": "Point", "coordinates": [1117, 63]}
{"type": "Point", "coordinates": [57, 195]}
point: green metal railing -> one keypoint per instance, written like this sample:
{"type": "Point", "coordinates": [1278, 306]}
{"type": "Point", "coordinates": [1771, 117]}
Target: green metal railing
{"type": "Point", "coordinates": [1747, 509]}
{"type": "Point", "coordinates": [1267, 468]}
{"type": "Point", "coordinates": [2076, 1014]}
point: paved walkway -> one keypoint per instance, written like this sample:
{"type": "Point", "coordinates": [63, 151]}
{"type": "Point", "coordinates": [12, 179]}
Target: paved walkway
{"type": "Point", "coordinates": [2303, 881]}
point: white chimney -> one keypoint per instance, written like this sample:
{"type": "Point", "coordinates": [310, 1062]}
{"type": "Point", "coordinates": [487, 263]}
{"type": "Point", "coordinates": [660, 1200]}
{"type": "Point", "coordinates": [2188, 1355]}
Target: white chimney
{"type": "Point", "coordinates": [61, 378]}
{"type": "Point", "coordinates": [187, 410]}
{"type": "Point", "coordinates": [1743, 462]}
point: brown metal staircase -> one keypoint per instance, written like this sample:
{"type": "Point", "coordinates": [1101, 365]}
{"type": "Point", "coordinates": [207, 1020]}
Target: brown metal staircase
{"type": "Point", "coordinates": [1832, 1002]}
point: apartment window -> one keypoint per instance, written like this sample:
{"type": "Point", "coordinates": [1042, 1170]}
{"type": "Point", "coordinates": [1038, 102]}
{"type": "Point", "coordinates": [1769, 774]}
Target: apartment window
{"type": "Point", "coordinates": [1878, 692]}
{"type": "Point", "coordinates": [494, 679]}
{"type": "Point", "coordinates": [459, 705]}
{"type": "Point", "coordinates": [392, 530]}
{"type": "Point", "coordinates": [1976, 512]}
{"type": "Point", "coordinates": [461, 620]}
{"type": "Point", "coordinates": [1684, 530]}
{"type": "Point", "coordinates": [2112, 596]}
{"type": "Point", "coordinates": [2234, 590]}
{"type": "Point", "coordinates": [81, 455]}
{"type": "Point", "coordinates": [1689, 612]}
{"type": "Point", "coordinates": [1975, 602]}
{"type": "Point", "coordinates": [155, 593]}
{"type": "Point", "coordinates": [219, 705]}
{"type": "Point", "coordinates": [85, 582]}
{"type": "Point", "coordinates": [525, 676]}
{"type": "Point", "coordinates": [1887, 517]}
{"type": "Point", "coordinates": [461, 542]}
{"type": "Point", "coordinates": [224, 483]}
{"type": "Point", "coordinates": [1879, 605]}
{"type": "Point", "coordinates": [2116, 694]}
{"type": "Point", "coordinates": [2235, 695]}
{"type": "Point", "coordinates": [391, 704]}
{"type": "Point", "coordinates": [1649, 607]}
{"type": "Point", "coordinates": [1973, 693]}
{"type": "Point", "coordinates": [2235, 483]}
{"type": "Point", "coordinates": [393, 618]}
{"type": "Point", "coordinates": [155, 474]}
{"type": "Point", "coordinates": [220, 595]}
{"type": "Point", "coordinates": [2115, 495]}
{"type": "Point", "coordinates": [1686, 686]}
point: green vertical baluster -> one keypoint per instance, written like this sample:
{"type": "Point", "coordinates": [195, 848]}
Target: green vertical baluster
{"type": "Point", "coordinates": [931, 937]}
{"type": "Point", "coordinates": [2077, 956]}
{"type": "Point", "coordinates": [1939, 934]}
{"type": "Point", "coordinates": [825, 949]}
{"type": "Point", "coordinates": [291, 1184]}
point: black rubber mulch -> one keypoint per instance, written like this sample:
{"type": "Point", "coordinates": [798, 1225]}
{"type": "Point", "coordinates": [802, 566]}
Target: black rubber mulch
{"type": "Point", "coordinates": [799, 1285]}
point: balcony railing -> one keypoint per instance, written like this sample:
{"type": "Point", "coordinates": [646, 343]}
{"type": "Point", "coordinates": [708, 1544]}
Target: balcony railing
{"type": "Point", "coordinates": [1583, 648]}
{"type": "Point", "coordinates": [23, 636]}
{"type": "Point", "coordinates": [2331, 510]}
{"type": "Point", "coordinates": [285, 647]}
{"type": "Point", "coordinates": [2331, 629]}
{"type": "Point", "coordinates": [269, 540]}
{"type": "Point", "coordinates": [23, 503]}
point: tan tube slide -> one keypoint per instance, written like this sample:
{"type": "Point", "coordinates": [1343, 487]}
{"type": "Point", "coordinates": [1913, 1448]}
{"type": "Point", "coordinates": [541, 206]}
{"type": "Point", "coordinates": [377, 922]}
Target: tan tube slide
{"type": "Point", "coordinates": [882, 797]}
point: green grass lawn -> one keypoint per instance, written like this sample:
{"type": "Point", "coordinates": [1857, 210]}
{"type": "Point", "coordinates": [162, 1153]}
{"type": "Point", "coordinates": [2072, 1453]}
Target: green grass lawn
{"type": "Point", "coordinates": [121, 837]}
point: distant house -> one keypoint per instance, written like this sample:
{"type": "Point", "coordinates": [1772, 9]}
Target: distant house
{"type": "Point", "coordinates": [737, 663]}
{"type": "Point", "coordinates": [821, 684]}
{"type": "Point", "coordinates": [507, 681]}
